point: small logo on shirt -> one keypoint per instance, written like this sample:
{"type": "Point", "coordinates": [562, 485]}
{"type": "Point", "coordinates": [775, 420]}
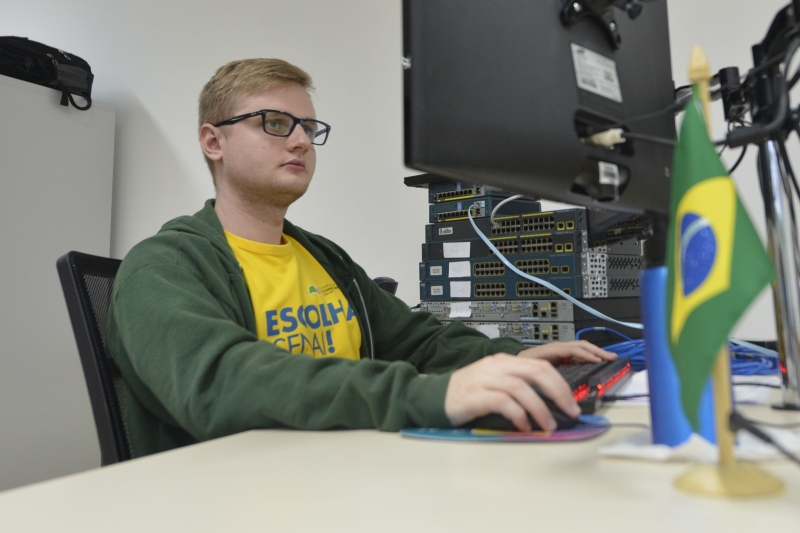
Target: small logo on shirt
{"type": "Point", "coordinates": [324, 290]}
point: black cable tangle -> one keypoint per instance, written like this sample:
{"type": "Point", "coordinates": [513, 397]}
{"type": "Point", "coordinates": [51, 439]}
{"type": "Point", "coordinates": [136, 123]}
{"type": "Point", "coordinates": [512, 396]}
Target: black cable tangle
{"type": "Point", "coordinates": [741, 136]}
{"type": "Point", "coordinates": [784, 154]}
{"type": "Point", "coordinates": [648, 138]}
{"type": "Point", "coordinates": [674, 107]}
{"type": "Point", "coordinates": [724, 145]}
{"type": "Point", "coordinates": [737, 422]}
{"type": "Point", "coordinates": [787, 163]}
{"type": "Point", "coordinates": [794, 80]}
{"type": "Point", "coordinates": [739, 160]}
{"type": "Point", "coordinates": [777, 60]}
{"type": "Point", "coordinates": [614, 398]}
{"type": "Point", "coordinates": [756, 384]}
{"type": "Point", "coordinates": [794, 425]}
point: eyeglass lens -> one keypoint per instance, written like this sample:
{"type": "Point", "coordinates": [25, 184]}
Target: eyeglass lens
{"type": "Point", "coordinates": [280, 124]}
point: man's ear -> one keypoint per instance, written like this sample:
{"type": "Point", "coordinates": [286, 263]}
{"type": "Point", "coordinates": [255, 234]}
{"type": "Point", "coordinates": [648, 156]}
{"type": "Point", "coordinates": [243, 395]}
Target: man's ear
{"type": "Point", "coordinates": [210, 142]}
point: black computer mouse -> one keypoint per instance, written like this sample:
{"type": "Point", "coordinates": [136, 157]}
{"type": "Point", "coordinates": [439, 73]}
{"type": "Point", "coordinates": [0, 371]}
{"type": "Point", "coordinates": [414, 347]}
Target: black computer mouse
{"type": "Point", "coordinates": [498, 422]}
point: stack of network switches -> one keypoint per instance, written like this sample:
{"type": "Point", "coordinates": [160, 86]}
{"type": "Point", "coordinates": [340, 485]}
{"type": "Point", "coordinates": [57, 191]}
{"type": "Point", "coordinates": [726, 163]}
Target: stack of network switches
{"type": "Point", "coordinates": [462, 279]}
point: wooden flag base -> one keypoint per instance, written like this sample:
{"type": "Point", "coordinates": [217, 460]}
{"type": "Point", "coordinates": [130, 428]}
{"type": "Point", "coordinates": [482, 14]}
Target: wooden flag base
{"type": "Point", "coordinates": [740, 480]}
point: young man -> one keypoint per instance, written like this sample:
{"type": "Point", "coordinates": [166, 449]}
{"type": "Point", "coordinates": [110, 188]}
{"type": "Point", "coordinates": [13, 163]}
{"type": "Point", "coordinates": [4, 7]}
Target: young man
{"type": "Point", "coordinates": [233, 318]}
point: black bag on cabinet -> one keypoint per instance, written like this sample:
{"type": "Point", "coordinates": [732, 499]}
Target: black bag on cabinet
{"type": "Point", "coordinates": [38, 63]}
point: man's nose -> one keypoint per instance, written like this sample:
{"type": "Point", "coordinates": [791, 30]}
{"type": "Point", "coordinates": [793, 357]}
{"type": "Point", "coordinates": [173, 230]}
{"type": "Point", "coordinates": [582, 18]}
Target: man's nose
{"type": "Point", "coordinates": [298, 137]}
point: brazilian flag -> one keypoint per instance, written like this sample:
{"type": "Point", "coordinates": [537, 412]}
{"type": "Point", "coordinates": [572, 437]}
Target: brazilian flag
{"type": "Point", "coordinates": [716, 261]}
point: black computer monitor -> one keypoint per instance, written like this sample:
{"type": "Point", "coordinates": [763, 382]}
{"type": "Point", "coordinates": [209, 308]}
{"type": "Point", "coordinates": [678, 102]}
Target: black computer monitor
{"type": "Point", "coordinates": [501, 92]}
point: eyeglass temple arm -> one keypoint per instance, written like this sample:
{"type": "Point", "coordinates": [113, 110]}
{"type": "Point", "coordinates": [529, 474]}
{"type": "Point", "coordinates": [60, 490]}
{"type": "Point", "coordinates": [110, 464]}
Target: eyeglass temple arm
{"type": "Point", "coordinates": [236, 119]}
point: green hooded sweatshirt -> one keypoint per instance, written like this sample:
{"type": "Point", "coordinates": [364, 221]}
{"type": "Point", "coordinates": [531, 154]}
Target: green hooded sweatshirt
{"type": "Point", "coordinates": [182, 331]}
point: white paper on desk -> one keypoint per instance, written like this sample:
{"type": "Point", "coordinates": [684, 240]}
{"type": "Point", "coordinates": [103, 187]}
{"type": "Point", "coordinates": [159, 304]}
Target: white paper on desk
{"type": "Point", "coordinates": [460, 289]}
{"type": "Point", "coordinates": [455, 250]}
{"type": "Point", "coordinates": [635, 386]}
{"type": "Point", "coordinates": [490, 330]}
{"type": "Point", "coordinates": [460, 310]}
{"type": "Point", "coordinates": [458, 269]}
{"type": "Point", "coordinates": [750, 448]}
{"type": "Point", "coordinates": [754, 394]}
{"type": "Point", "coordinates": [640, 445]}
{"type": "Point", "coordinates": [742, 393]}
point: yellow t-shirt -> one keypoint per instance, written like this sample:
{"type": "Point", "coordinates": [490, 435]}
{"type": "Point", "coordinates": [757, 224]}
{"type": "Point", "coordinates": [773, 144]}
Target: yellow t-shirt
{"type": "Point", "coordinates": [297, 306]}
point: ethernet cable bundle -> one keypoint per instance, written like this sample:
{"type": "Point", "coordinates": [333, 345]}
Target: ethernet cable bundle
{"type": "Point", "coordinates": [462, 277]}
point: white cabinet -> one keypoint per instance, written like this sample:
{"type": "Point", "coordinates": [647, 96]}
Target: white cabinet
{"type": "Point", "coordinates": [56, 169]}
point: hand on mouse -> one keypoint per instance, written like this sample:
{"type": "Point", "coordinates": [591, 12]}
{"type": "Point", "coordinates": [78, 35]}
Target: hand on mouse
{"type": "Point", "coordinates": [575, 351]}
{"type": "Point", "coordinates": [502, 383]}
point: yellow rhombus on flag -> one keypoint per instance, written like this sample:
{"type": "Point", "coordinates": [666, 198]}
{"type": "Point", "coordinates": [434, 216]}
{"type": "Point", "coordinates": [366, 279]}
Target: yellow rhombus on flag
{"type": "Point", "coordinates": [716, 261]}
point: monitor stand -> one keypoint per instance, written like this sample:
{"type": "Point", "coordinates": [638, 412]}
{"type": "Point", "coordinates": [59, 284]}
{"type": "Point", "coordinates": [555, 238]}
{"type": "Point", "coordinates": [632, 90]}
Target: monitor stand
{"type": "Point", "coordinates": [783, 249]}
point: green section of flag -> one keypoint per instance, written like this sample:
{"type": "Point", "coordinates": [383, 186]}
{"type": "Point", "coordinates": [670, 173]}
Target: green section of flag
{"type": "Point", "coordinates": [716, 261]}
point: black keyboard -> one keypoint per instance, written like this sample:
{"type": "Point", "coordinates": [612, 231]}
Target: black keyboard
{"type": "Point", "coordinates": [591, 381]}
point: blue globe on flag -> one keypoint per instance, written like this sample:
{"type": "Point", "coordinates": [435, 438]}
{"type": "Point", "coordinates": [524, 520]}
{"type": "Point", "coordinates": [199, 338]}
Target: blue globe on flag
{"type": "Point", "coordinates": [698, 251]}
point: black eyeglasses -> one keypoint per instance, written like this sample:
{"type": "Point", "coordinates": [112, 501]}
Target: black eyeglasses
{"type": "Point", "coordinates": [282, 124]}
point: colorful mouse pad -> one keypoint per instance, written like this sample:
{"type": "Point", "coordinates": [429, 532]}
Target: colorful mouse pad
{"type": "Point", "coordinates": [488, 435]}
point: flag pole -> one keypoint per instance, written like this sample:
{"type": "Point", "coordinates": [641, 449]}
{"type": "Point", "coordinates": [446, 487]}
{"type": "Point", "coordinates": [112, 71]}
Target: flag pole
{"type": "Point", "coordinates": [700, 73]}
{"type": "Point", "coordinates": [728, 477]}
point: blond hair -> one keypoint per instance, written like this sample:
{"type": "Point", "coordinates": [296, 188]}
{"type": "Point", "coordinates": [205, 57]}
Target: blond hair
{"type": "Point", "coordinates": [238, 80]}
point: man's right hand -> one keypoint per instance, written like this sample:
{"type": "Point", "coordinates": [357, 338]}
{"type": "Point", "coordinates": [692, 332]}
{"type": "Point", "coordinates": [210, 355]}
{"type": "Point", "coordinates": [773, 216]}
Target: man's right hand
{"type": "Point", "coordinates": [502, 383]}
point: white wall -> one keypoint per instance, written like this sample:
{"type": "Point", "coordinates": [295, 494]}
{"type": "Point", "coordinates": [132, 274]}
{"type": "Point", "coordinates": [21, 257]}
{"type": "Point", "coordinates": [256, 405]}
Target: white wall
{"type": "Point", "coordinates": [56, 169]}
{"type": "Point", "coordinates": [151, 58]}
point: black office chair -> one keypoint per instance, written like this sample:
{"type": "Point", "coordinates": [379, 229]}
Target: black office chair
{"type": "Point", "coordinates": [87, 281]}
{"type": "Point", "coordinates": [387, 284]}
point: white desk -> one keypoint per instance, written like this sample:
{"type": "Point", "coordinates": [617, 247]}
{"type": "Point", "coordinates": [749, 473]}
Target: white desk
{"type": "Point", "coordinates": [354, 481]}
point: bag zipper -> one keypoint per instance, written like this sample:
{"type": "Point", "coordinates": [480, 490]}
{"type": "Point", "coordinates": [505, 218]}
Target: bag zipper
{"type": "Point", "coordinates": [366, 320]}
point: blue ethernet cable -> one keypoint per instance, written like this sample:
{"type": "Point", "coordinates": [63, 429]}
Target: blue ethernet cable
{"type": "Point", "coordinates": [542, 282]}
{"type": "Point", "coordinates": [745, 361]}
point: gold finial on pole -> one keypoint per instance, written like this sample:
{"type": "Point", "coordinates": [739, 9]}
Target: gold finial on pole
{"type": "Point", "coordinates": [728, 478]}
{"type": "Point", "coordinates": [700, 73]}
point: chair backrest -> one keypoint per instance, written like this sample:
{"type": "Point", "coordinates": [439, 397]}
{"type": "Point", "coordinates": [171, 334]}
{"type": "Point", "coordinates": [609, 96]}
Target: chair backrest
{"type": "Point", "coordinates": [387, 284]}
{"type": "Point", "coordinates": [87, 281]}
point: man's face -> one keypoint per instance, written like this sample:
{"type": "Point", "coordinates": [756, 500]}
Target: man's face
{"type": "Point", "coordinates": [262, 168]}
